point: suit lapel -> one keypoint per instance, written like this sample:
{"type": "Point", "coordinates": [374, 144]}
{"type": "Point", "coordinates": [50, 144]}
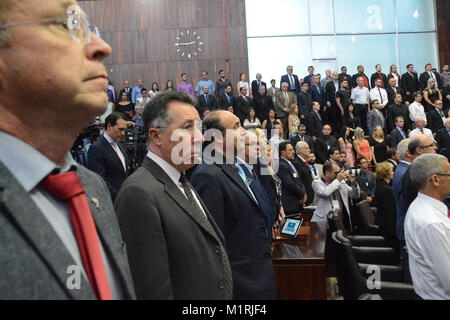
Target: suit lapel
{"type": "Point", "coordinates": [236, 178]}
{"type": "Point", "coordinates": [37, 230]}
{"type": "Point", "coordinates": [172, 190]}
{"type": "Point", "coordinates": [113, 153]}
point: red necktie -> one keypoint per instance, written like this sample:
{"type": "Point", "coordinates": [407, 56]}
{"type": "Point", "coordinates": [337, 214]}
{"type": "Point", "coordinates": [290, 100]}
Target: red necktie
{"type": "Point", "coordinates": [67, 187]}
{"type": "Point", "coordinates": [307, 163]}
{"type": "Point", "coordinates": [448, 213]}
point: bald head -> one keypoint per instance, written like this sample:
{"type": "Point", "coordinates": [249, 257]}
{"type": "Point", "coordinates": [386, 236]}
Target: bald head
{"type": "Point", "coordinates": [421, 144]}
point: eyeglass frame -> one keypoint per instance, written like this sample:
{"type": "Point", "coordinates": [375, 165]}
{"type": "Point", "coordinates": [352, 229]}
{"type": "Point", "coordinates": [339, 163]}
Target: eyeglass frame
{"type": "Point", "coordinates": [429, 146]}
{"type": "Point", "coordinates": [89, 29]}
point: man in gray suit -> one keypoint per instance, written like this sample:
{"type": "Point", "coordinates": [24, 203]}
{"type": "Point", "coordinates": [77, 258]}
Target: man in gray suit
{"type": "Point", "coordinates": [375, 117]}
{"type": "Point", "coordinates": [43, 254]}
{"type": "Point", "coordinates": [175, 249]}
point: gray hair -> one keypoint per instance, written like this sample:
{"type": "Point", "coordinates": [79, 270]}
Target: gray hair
{"type": "Point", "coordinates": [401, 148]}
{"type": "Point", "coordinates": [424, 166]}
{"type": "Point", "coordinates": [300, 145]}
{"type": "Point", "coordinates": [284, 83]}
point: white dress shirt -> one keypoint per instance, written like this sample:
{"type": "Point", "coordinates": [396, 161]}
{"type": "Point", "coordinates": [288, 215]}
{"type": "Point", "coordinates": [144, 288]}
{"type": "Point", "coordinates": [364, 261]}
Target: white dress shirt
{"type": "Point", "coordinates": [427, 234]}
{"type": "Point", "coordinates": [416, 111]}
{"type": "Point", "coordinates": [360, 95]}
{"type": "Point", "coordinates": [417, 131]}
{"type": "Point", "coordinates": [375, 95]}
{"type": "Point", "coordinates": [117, 150]}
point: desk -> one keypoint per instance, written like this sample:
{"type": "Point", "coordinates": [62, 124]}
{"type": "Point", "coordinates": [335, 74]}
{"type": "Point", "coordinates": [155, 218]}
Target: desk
{"type": "Point", "coordinates": [299, 264]}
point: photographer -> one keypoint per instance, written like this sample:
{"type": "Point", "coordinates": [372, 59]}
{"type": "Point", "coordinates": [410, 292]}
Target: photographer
{"type": "Point", "coordinates": [367, 182]}
{"type": "Point", "coordinates": [332, 191]}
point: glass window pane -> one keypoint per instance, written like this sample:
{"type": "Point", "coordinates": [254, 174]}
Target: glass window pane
{"type": "Point", "coordinates": [281, 17]}
{"type": "Point", "coordinates": [415, 15]}
{"type": "Point", "coordinates": [357, 16]}
{"type": "Point", "coordinates": [367, 50]}
{"type": "Point", "coordinates": [321, 15]}
{"type": "Point", "coordinates": [271, 56]}
{"type": "Point", "coordinates": [418, 49]}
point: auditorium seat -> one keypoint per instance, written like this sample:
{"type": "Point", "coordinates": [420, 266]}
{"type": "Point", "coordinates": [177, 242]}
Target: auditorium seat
{"type": "Point", "coordinates": [367, 219]}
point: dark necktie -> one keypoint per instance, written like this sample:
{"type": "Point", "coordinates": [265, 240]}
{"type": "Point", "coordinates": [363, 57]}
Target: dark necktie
{"type": "Point", "coordinates": [206, 99]}
{"type": "Point", "coordinates": [67, 187]}
{"type": "Point", "coordinates": [381, 97]}
{"type": "Point", "coordinates": [199, 212]}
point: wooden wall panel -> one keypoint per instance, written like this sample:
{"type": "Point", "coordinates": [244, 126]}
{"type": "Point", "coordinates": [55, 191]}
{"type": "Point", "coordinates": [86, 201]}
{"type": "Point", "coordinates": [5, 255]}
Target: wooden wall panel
{"type": "Point", "coordinates": [443, 28]}
{"type": "Point", "coordinates": [142, 34]}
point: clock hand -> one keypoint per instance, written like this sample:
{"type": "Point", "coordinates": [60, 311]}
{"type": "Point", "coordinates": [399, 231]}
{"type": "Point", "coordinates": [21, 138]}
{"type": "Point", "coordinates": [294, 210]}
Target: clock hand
{"type": "Point", "coordinates": [184, 43]}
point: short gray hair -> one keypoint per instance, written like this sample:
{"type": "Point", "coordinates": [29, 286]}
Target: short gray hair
{"type": "Point", "coordinates": [301, 145]}
{"type": "Point", "coordinates": [401, 148]}
{"type": "Point", "coordinates": [424, 166]}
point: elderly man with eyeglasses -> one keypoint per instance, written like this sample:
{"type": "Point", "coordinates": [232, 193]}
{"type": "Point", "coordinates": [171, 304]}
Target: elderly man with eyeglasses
{"type": "Point", "coordinates": [59, 234]}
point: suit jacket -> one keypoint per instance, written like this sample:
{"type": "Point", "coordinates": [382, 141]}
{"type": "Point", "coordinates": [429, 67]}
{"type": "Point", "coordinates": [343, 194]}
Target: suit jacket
{"type": "Point", "coordinates": [306, 177]}
{"type": "Point", "coordinates": [393, 111]}
{"type": "Point", "coordinates": [33, 259]}
{"type": "Point", "coordinates": [103, 159]}
{"type": "Point", "coordinates": [315, 125]}
{"type": "Point", "coordinates": [122, 91]}
{"type": "Point", "coordinates": [272, 93]}
{"type": "Point", "coordinates": [322, 146]}
{"type": "Point", "coordinates": [293, 189]}
{"type": "Point", "coordinates": [373, 120]}
{"type": "Point", "coordinates": [317, 95]}
{"type": "Point", "coordinates": [410, 83]}
{"type": "Point", "coordinates": [375, 76]}
{"type": "Point", "coordinates": [173, 253]}
{"type": "Point", "coordinates": [324, 193]}
{"type": "Point", "coordinates": [394, 164]}
{"type": "Point", "coordinates": [242, 107]}
{"type": "Point", "coordinates": [255, 88]}
{"type": "Point", "coordinates": [434, 121]}
{"type": "Point", "coordinates": [391, 94]}
{"type": "Point", "coordinates": [443, 141]}
{"type": "Point", "coordinates": [243, 224]}
{"type": "Point", "coordinates": [423, 80]}
{"type": "Point", "coordinates": [386, 216]}
{"type": "Point", "coordinates": [356, 76]}
{"type": "Point", "coordinates": [330, 93]}
{"type": "Point", "coordinates": [224, 104]}
{"type": "Point", "coordinates": [367, 183]}
{"type": "Point", "coordinates": [397, 186]}
{"type": "Point", "coordinates": [281, 103]}
{"type": "Point", "coordinates": [395, 137]}
{"type": "Point", "coordinates": [304, 102]}
{"type": "Point", "coordinates": [285, 78]}
{"type": "Point", "coordinates": [202, 105]}
{"type": "Point", "coordinates": [347, 77]}
{"type": "Point", "coordinates": [306, 138]}
{"type": "Point", "coordinates": [262, 105]}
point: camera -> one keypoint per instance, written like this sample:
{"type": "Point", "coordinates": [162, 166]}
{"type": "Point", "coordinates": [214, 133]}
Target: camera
{"type": "Point", "coordinates": [353, 171]}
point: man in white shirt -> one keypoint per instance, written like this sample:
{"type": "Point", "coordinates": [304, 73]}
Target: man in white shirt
{"type": "Point", "coordinates": [427, 228]}
{"type": "Point", "coordinates": [380, 94]}
{"type": "Point", "coordinates": [416, 109]}
{"type": "Point", "coordinates": [361, 99]}
{"type": "Point", "coordinates": [420, 129]}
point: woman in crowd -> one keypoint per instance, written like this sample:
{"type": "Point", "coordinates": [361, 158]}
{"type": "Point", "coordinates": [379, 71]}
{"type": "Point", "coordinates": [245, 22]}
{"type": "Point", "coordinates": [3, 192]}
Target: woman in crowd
{"type": "Point", "coordinates": [394, 74]}
{"type": "Point", "coordinates": [125, 105]}
{"type": "Point", "coordinates": [378, 145]}
{"type": "Point", "coordinates": [430, 95]}
{"type": "Point", "coordinates": [293, 121]}
{"type": "Point", "coordinates": [361, 145]}
{"type": "Point", "coordinates": [169, 85]}
{"type": "Point", "coordinates": [386, 217]}
{"type": "Point", "coordinates": [243, 83]}
{"type": "Point", "coordinates": [252, 121]}
{"type": "Point", "coordinates": [351, 119]}
{"type": "Point", "coordinates": [268, 124]}
{"type": "Point", "coordinates": [345, 142]}
{"type": "Point", "coordinates": [155, 90]}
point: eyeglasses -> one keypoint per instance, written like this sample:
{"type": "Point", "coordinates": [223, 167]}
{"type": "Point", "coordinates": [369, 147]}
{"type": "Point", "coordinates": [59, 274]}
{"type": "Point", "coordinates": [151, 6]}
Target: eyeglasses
{"type": "Point", "coordinates": [443, 174]}
{"type": "Point", "coordinates": [79, 27]}
{"type": "Point", "coordinates": [429, 146]}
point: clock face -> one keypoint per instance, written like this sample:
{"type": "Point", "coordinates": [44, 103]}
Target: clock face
{"type": "Point", "coordinates": [189, 44]}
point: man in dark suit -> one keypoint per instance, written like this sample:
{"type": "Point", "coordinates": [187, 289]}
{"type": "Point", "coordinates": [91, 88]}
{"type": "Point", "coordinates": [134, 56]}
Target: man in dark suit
{"type": "Point", "coordinates": [304, 102]}
{"type": "Point", "coordinates": [108, 157]}
{"type": "Point", "coordinates": [392, 90]}
{"type": "Point", "coordinates": [395, 110]}
{"type": "Point", "coordinates": [256, 84]}
{"type": "Point", "coordinates": [205, 101]}
{"type": "Point", "coordinates": [302, 136]}
{"type": "Point", "coordinates": [378, 75]}
{"type": "Point", "coordinates": [423, 79]}
{"type": "Point", "coordinates": [436, 118]}
{"type": "Point", "coordinates": [293, 191]}
{"type": "Point", "coordinates": [334, 113]}
{"type": "Point", "coordinates": [303, 153]}
{"type": "Point", "coordinates": [317, 94]}
{"type": "Point", "coordinates": [315, 123]}
{"type": "Point", "coordinates": [242, 105]}
{"type": "Point", "coordinates": [226, 100]}
{"type": "Point", "coordinates": [393, 159]}
{"type": "Point", "coordinates": [325, 143]}
{"type": "Point", "coordinates": [292, 81]}
{"type": "Point", "coordinates": [235, 207]}
{"type": "Point", "coordinates": [126, 89]}
{"type": "Point", "coordinates": [175, 249]}
{"type": "Point", "coordinates": [398, 133]}
{"type": "Point", "coordinates": [44, 194]}
{"type": "Point", "coordinates": [262, 103]}
{"type": "Point", "coordinates": [443, 139]}
{"type": "Point", "coordinates": [360, 74]}
{"type": "Point", "coordinates": [344, 76]}
{"type": "Point", "coordinates": [309, 78]}
{"type": "Point", "coordinates": [409, 83]}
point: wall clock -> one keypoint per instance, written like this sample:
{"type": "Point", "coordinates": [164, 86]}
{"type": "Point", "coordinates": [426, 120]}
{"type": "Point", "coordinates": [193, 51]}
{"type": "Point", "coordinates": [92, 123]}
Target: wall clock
{"type": "Point", "coordinates": [188, 44]}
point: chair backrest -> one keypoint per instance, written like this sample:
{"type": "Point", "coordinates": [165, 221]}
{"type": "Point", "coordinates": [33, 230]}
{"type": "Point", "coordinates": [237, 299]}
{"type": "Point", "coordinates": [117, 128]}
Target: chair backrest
{"type": "Point", "coordinates": [335, 221]}
{"type": "Point", "coordinates": [351, 283]}
{"type": "Point", "coordinates": [366, 214]}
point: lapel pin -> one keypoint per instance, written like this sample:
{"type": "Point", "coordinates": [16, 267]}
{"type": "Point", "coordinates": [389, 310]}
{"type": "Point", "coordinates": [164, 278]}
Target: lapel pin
{"type": "Point", "coordinates": [95, 201]}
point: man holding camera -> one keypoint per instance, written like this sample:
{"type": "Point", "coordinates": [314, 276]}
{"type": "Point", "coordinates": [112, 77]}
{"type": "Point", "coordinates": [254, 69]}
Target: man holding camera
{"type": "Point", "coordinates": [333, 192]}
{"type": "Point", "coordinates": [108, 157]}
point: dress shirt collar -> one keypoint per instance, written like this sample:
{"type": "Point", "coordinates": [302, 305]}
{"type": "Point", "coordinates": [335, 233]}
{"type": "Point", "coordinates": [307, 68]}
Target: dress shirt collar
{"type": "Point", "coordinates": [405, 162]}
{"type": "Point", "coordinates": [240, 161]}
{"type": "Point", "coordinates": [28, 165]}
{"type": "Point", "coordinates": [399, 129]}
{"type": "Point", "coordinates": [170, 170]}
{"type": "Point", "coordinates": [303, 159]}
{"type": "Point", "coordinates": [109, 139]}
{"type": "Point", "coordinates": [438, 205]}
